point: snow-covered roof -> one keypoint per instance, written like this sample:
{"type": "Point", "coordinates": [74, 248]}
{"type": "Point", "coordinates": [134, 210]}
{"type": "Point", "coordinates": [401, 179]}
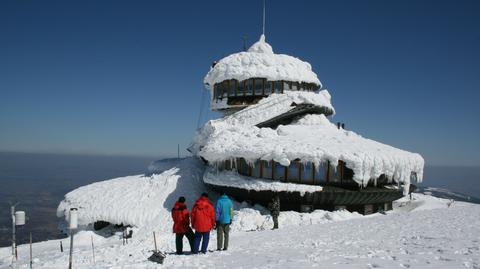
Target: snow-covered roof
{"type": "Point", "coordinates": [312, 138]}
{"type": "Point", "coordinates": [260, 62]}
{"type": "Point", "coordinates": [137, 200]}
{"type": "Point", "coordinates": [265, 109]}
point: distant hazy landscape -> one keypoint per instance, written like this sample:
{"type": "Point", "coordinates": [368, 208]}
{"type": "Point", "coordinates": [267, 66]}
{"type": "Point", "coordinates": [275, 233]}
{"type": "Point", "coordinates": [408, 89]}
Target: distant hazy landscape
{"type": "Point", "coordinates": [39, 181]}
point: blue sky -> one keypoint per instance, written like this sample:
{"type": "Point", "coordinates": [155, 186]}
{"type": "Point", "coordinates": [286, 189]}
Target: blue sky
{"type": "Point", "coordinates": [125, 77]}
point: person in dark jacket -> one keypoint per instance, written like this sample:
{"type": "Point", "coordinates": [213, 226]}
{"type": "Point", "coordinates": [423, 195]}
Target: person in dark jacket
{"type": "Point", "coordinates": [203, 221]}
{"type": "Point", "coordinates": [274, 207]}
{"type": "Point", "coordinates": [181, 225]}
{"type": "Point", "coordinates": [224, 216]}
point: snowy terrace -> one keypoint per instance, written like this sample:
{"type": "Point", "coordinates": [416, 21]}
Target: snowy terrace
{"type": "Point", "coordinates": [311, 144]}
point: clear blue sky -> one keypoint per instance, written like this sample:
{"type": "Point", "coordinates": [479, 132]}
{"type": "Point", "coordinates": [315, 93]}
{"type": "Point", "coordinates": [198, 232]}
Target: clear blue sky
{"type": "Point", "coordinates": [125, 77]}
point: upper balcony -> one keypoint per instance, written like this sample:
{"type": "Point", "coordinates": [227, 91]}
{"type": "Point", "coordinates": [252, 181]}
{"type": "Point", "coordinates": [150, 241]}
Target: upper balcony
{"type": "Point", "coordinates": [234, 95]}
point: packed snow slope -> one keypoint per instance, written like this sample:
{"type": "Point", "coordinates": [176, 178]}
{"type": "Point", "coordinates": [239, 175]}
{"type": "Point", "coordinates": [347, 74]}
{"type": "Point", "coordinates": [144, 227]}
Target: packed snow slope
{"type": "Point", "coordinates": [312, 138]}
{"type": "Point", "coordinates": [260, 62]}
{"type": "Point", "coordinates": [427, 232]}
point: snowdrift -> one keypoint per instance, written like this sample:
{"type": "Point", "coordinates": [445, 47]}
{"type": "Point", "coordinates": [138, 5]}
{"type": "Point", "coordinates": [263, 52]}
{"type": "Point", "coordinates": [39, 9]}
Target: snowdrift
{"type": "Point", "coordinates": [137, 200]}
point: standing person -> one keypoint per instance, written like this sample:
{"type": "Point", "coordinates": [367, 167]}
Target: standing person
{"type": "Point", "coordinates": [274, 207]}
{"type": "Point", "coordinates": [224, 216]}
{"type": "Point", "coordinates": [181, 225]}
{"type": "Point", "coordinates": [203, 221]}
{"type": "Point", "coordinates": [411, 189]}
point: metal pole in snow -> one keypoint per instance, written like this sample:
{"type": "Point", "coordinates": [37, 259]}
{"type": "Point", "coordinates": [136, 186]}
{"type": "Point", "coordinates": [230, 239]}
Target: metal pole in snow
{"type": "Point", "coordinates": [12, 210]}
{"type": "Point", "coordinates": [178, 151]}
{"type": "Point", "coordinates": [71, 250]}
{"type": "Point", "coordinates": [155, 241]}
{"type": "Point", "coordinates": [31, 261]}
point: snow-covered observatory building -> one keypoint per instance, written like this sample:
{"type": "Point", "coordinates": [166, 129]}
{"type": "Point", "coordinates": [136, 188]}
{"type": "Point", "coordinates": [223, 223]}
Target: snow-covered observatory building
{"type": "Point", "coordinates": [276, 138]}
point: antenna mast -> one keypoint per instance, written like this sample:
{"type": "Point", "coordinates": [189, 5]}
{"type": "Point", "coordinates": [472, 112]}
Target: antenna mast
{"type": "Point", "coordinates": [263, 32]}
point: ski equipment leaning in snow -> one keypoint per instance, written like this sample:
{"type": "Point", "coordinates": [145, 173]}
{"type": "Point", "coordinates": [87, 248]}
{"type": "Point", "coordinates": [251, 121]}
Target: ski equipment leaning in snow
{"type": "Point", "coordinates": [274, 207]}
{"type": "Point", "coordinates": [203, 221]}
{"type": "Point", "coordinates": [224, 216]}
{"type": "Point", "coordinates": [181, 225]}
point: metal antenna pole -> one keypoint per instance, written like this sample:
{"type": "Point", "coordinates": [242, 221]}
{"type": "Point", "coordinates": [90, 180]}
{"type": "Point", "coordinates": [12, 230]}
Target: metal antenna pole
{"type": "Point", "coordinates": [244, 42]}
{"type": "Point", "coordinates": [263, 32]}
{"type": "Point", "coordinates": [71, 250]}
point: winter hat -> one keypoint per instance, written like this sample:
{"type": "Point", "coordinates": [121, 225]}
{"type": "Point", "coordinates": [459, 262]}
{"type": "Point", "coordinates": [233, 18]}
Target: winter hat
{"type": "Point", "coordinates": [181, 199]}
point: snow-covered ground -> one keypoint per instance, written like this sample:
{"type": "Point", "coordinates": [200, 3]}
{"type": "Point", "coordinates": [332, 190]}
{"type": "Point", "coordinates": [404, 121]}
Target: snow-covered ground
{"type": "Point", "coordinates": [427, 232]}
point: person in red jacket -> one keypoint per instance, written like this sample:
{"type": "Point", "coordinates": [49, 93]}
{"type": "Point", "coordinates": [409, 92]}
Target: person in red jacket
{"type": "Point", "coordinates": [203, 221]}
{"type": "Point", "coordinates": [181, 225]}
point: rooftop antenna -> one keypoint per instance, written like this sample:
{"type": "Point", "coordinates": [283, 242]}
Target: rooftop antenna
{"type": "Point", "coordinates": [244, 38]}
{"type": "Point", "coordinates": [263, 30]}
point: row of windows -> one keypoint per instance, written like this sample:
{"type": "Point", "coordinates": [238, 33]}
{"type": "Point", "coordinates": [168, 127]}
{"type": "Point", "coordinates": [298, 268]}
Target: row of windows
{"type": "Point", "coordinates": [257, 87]}
{"type": "Point", "coordinates": [297, 172]}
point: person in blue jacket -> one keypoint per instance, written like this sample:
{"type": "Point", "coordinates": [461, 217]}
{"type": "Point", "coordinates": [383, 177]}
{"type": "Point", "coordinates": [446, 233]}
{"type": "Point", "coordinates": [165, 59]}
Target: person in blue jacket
{"type": "Point", "coordinates": [224, 217]}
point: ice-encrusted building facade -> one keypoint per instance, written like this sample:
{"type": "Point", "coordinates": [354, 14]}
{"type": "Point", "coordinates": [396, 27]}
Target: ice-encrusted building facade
{"type": "Point", "coordinates": [276, 138]}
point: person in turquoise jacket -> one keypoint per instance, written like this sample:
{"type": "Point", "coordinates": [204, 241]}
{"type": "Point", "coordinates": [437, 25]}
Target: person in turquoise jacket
{"type": "Point", "coordinates": [224, 217]}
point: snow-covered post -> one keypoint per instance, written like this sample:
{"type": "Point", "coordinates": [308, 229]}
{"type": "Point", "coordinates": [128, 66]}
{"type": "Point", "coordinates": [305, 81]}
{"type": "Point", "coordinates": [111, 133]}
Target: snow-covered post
{"type": "Point", "coordinates": [18, 218]}
{"type": "Point", "coordinates": [73, 225]}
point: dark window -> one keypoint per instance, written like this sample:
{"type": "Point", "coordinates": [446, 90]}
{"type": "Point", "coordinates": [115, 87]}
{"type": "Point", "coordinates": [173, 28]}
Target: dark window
{"type": "Point", "coordinates": [225, 88]}
{"type": "Point", "coordinates": [335, 173]}
{"type": "Point", "coordinates": [243, 167]}
{"type": "Point", "coordinates": [268, 87]}
{"type": "Point", "coordinates": [294, 86]}
{"type": "Point", "coordinates": [241, 88]}
{"type": "Point", "coordinates": [215, 91]}
{"type": "Point", "coordinates": [278, 87]}
{"type": "Point", "coordinates": [287, 86]}
{"type": "Point", "coordinates": [249, 87]}
{"type": "Point", "coordinates": [259, 86]}
{"type": "Point", "coordinates": [301, 86]}
{"type": "Point", "coordinates": [279, 172]}
{"type": "Point", "coordinates": [320, 173]}
{"type": "Point", "coordinates": [293, 172]}
{"type": "Point", "coordinates": [227, 165]}
{"type": "Point", "coordinates": [267, 169]}
{"type": "Point", "coordinates": [307, 173]}
{"type": "Point", "coordinates": [232, 86]}
{"type": "Point", "coordinates": [256, 169]}
{"type": "Point", "coordinates": [347, 174]}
